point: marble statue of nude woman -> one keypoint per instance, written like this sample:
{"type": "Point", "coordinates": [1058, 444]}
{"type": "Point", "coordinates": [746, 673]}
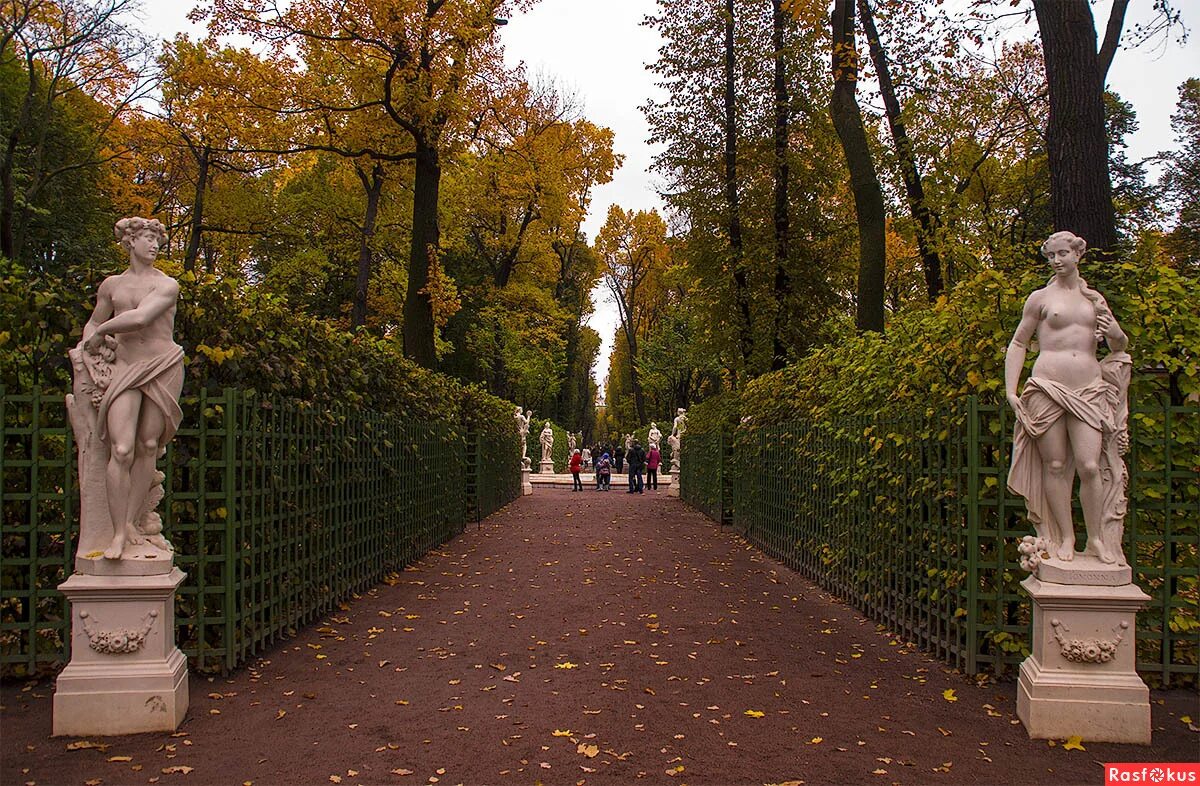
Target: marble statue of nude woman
{"type": "Point", "coordinates": [130, 370]}
{"type": "Point", "coordinates": [1073, 411]}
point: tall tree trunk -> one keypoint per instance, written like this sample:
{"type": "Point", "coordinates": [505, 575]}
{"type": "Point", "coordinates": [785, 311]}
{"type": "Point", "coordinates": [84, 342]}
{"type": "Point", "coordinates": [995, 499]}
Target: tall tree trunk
{"type": "Point", "coordinates": [635, 379]}
{"type": "Point", "coordinates": [8, 199]}
{"type": "Point", "coordinates": [783, 284]}
{"type": "Point", "coordinates": [925, 219]}
{"type": "Point", "coordinates": [864, 182]}
{"type": "Point", "coordinates": [732, 199]}
{"type": "Point", "coordinates": [373, 186]}
{"type": "Point", "coordinates": [1076, 137]}
{"type": "Point", "coordinates": [196, 224]}
{"type": "Point", "coordinates": [418, 306]}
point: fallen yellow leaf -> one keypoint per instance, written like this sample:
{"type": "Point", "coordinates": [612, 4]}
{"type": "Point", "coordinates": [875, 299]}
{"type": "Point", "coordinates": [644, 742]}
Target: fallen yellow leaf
{"type": "Point", "coordinates": [178, 769]}
{"type": "Point", "coordinates": [562, 732]}
{"type": "Point", "coordinates": [948, 695]}
{"type": "Point", "coordinates": [1074, 743]}
{"type": "Point", "coordinates": [816, 740]}
{"type": "Point", "coordinates": [120, 758]}
{"type": "Point", "coordinates": [755, 713]}
{"type": "Point", "coordinates": [85, 745]}
{"type": "Point", "coordinates": [566, 665]}
{"type": "Point", "coordinates": [587, 750]}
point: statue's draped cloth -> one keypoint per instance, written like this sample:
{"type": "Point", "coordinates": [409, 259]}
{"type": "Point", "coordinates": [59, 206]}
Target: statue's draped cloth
{"type": "Point", "coordinates": [1102, 405]}
{"type": "Point", "coordinates": [159, 379]}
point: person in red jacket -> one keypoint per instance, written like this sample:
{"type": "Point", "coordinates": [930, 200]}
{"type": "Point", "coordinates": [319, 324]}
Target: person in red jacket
{"type": "Point", "coordinates": [576, 466]}
{"type": "Point", "coordinates": [653, 459]}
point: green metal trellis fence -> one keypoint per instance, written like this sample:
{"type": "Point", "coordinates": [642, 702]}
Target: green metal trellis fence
{"type": "Point", "coordinates": [278, 512]}
{"type": "Point", "coordinates": [909, 518]}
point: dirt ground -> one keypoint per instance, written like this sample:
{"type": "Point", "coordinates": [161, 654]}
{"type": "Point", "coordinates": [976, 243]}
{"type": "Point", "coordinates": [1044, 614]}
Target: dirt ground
{"type": "Point", "coordinates": [587, 638]}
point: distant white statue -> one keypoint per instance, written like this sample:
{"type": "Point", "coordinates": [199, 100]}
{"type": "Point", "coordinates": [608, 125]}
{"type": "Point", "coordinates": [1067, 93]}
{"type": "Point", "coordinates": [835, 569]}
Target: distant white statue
{"type": "Point", "coordinates": [1072, 414]}
{"type": "Point", "coordinates": [523, 433]}
{"type": "Point", "coordinates": [124, 409]}
{"type": "Point", "coordinates": [654, 437]}
{"type": "Point", "coordinates": [628, 443]}
{"type": "Point", "coordinates": [547, 440]}
{"type": "Point", "coordinates": [678, 427]}
{"type": "Point", "coordinates": [680, 424]}
{"type": "Point", "coordinates": [571, 443]}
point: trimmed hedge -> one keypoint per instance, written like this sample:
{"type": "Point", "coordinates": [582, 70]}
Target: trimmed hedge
{"type": "Point", "coordinates": [235, 335]}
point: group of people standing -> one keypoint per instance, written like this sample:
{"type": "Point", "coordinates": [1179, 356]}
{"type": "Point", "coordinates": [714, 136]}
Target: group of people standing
{"type": "Point", "coordinates": [606, 461]}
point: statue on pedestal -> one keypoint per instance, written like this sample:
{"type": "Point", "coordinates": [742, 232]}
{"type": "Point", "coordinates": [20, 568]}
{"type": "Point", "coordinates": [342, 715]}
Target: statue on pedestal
{"type": "Point", "coordinates": [571, 443]}
{"type": "Point", "coordinates": [628, 443]}
{"type": "Point", "coordinates": [1071, 417]}
{"type": "Point", "coordinates": [1081, 676]}
{"type": "Point", "coordinates": [654, 437]}
{"type": "Point", "coordinates": [547, 440]}
{"type": "Point", "coordinates": [126, 675]}
{"type": "Point", "coordinates": [128, 374]}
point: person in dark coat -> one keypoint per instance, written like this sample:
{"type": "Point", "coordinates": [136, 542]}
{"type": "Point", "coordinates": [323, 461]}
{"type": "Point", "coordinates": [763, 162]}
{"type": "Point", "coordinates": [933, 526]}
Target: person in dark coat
{"type": "Point", "coordinates": [637, 462]}
{"type": "Point", "coordinates": [619, 458]}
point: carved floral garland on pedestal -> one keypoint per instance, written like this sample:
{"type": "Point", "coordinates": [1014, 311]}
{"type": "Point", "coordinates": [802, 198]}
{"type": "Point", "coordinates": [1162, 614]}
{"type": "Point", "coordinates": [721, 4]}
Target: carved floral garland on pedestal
{"type": "Point", "coordinates": [1088, 650]}
{"type": "Point", "coordinates": [117, 642]}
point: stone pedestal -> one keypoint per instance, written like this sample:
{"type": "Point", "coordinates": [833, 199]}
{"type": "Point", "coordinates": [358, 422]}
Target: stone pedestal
{"type": "Point", "coordinates": [1081, 678]}
{"type": "Point", "coordinates": [546, 468]}
{"type": "Point", "coordinates": [126, 675]}
{"type": "Point", "coordinates": [526, 483]}
{"type": "Point", "coordinates": [673, 489]}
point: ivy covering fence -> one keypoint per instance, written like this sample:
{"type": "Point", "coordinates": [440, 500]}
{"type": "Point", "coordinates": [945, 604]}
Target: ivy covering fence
{"type": "Point", "coordinates": [909, 519]}
{"type": "Point", "coordinates": [277, 511]}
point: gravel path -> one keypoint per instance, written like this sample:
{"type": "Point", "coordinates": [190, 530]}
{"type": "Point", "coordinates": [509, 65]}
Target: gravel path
{"type": "Point", "coordinates": [586, 638]}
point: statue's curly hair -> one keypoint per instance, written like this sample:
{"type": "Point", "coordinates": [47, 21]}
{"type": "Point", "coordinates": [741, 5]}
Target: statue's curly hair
{"type": "Point", "coordinates": [128, 228]}
{"type": "Point", "coordinates": [1076, 243]}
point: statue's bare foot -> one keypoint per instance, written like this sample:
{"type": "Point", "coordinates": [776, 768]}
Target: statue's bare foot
{"type": "Point", "coordinates": [1065, 552]}
{"type": "Point", "coordinates": [1096, 546]}
{"type": "Point", "coordinates": [117, 546]}
{"type": "Point", "coordinates": [132, 536]}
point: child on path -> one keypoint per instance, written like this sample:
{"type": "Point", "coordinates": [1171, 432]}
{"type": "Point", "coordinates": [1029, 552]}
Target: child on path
{"type": "Point", "coordinates": [576, 466]}
{"type": "Point", "coordinates": [603, 473]}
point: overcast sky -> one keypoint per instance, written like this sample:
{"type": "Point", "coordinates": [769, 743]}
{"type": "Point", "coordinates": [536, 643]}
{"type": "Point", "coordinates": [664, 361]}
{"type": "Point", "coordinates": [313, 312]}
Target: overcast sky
{"type": "Point", "coordinates": [598, 49]}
